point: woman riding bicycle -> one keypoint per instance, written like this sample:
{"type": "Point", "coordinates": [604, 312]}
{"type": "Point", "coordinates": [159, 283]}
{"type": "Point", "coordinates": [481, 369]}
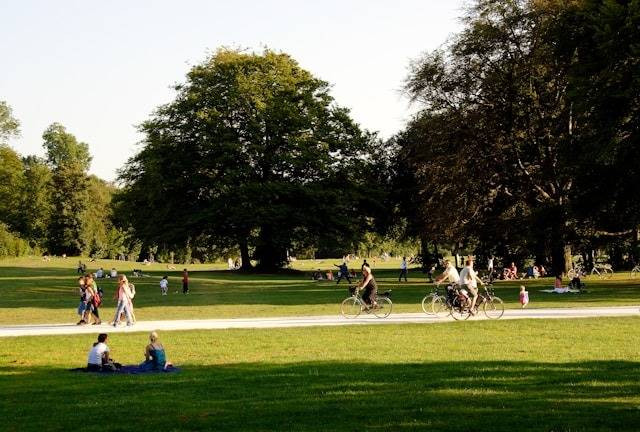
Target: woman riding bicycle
{"type": "Point", "coordinates": [370, 287]}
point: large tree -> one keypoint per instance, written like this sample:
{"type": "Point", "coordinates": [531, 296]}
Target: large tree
{"type": "Point", "coordinates": [69, 160]}
{"type": "Point", "coordinates": [253, 152]}
{"type": "Point", "coordinates": [506, 136]}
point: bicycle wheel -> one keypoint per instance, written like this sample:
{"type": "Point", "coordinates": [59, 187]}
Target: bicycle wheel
{"type": "Point", "coordinates": [426, 304]}
{"type": "Point", "coordinates": [634, 273]}
{"type": "Point", "coordinates": [493, 308]}
{"type": "Point", "coordinates": [460, 312]}
{"type": "Point", "coordinates": [607, 273]}
{"type": "Point", "coordinates": [383, 309]}
{"type": "Point", "coordinates": [439, 307]}
{"type": "Point", "coordinates": [571, 274]}
{"type": "Point", "coordinates": [350, 307]}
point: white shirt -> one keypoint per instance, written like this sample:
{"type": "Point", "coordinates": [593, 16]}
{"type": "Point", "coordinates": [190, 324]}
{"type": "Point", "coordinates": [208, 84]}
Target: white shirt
{"type": "Point", "coordinates": [490, 264]}
{"type": "Point", "coordinates": [164, 283]}
{"type": "Point", "coordinates": [403, 265]}
{"type": "Point", "coordinates": [452, 274]}
{"type": "Point", "coordinates": [114, 273]}
{"type": "Point", "coordinates": [95, 355]}
{"type": "Point", "coordinates": [468, 277]}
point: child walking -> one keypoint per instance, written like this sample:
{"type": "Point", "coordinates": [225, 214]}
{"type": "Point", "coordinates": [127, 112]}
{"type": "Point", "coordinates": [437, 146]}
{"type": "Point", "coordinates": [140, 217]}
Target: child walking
{"type": "Point", "coordinates": [164, 285]}
{"type": "Point", "coordinates": [524, 296]}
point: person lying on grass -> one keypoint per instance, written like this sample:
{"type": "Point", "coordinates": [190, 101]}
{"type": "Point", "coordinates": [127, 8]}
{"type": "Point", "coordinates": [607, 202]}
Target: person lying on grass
{"type": "Point", "coordinates": [99, 360]}
{"type": "Point", "coordinates": [154, 354]}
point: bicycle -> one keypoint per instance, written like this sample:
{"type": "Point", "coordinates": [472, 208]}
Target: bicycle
{"type": "Point", "coordinates": [459, 304]}
{"type": "Point", "coordinates": [352, 306]}
{"type": "Point", "coordinates": [427, 301]}
{"type": "Point", "coordinates": [576, 271]}
{"type": "Point", "coordinates": [453, 303]}
{"type": "Point", "coordinates": [635, 271]}
{"type": "Point", "coordinates": [604, 271]}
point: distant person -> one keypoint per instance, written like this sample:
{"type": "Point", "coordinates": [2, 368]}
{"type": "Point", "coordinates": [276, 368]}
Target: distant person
{"type": "Point", "coordinates": [450, 274]}
{"type": "Point", "coordinates": [370, 287]}
{"type": "Point", "coordinates": [82, 306]}
{"type": "Point", "coordinates": [543, 271]}
{"type": "Point", "coordinates": [185, 281]}
{"type": "Point", "coordinates": [164, 285]}
{"type": "Point", "coordinates": [343, 272]}
{"type": "Point", "coordinates": [123, 296]}
{"type": "Point", "coordinates": [524, 297]}
{"type": "Point", "coordinates": [470, 279]}
{"type": "Point", "coordinates": [403, 269]}
{"type": "Point", "coordinates": [154, 355]}
{"type": "Point", "coordinates": [95, 300]}
{"type": "Point", "coordinates": [99, 359]}
{"type": "Point", "coordinates": [490, 266]}
{"type": "Point", "coordinates": [364, 264]}
{"type": "Point", "coordinates": [329, 275]}
{"type": "Point", "coordinates": [114, 273]}
{"type": "Point", "coordinates": [80, 269]}
{"type": "Point", "coordinates": [100, 273]}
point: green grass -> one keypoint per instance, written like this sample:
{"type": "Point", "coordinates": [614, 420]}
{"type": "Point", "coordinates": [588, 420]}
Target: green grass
{"type": "Point", "coordinates": [531, 375]}
{"type": "Point", "coordinates": [33, 291]}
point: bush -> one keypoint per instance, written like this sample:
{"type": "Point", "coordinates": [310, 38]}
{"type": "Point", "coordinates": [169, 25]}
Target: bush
{"type": "Point", "coordinates": [12, 245]}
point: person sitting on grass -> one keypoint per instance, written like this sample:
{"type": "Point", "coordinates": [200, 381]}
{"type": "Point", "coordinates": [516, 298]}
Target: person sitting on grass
{"type": "Point", "coordinates": [154, 354]}
{"type": "Point", "coordinates": [99, 360]}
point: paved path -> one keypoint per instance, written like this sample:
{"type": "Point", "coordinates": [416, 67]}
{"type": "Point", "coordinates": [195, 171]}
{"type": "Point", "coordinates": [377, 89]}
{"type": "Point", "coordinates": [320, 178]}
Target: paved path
{"type": "Point", "coordinates": [308, 321]}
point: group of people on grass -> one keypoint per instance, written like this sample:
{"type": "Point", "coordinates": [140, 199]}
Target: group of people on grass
{"type": "Point", "coordinates": [100, 360]}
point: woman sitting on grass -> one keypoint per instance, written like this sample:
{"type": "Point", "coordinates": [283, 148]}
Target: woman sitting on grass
{"type": "Point", "coordinates": [155, 357]}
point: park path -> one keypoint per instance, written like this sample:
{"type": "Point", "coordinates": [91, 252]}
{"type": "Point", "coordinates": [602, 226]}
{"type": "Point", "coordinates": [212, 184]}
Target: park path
{"type": "Point", "coordinates": [307, 321]}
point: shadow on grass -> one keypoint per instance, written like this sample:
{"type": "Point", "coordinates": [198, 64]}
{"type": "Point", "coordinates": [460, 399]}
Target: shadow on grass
{"type": "Point", "coordinates": [321, 396]}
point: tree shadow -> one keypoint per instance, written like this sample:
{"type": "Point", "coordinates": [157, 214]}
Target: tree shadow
{"type": "Point", "coordinates": [321, 396]}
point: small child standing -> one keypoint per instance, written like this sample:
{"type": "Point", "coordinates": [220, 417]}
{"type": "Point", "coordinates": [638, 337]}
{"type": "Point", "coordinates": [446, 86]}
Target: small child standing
{"type": "Point", "coordinates": [524, 296]}
{"type": "Point", "coordinates": [164, 285]}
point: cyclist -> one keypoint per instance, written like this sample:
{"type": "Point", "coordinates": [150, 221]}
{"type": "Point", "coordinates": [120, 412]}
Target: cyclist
{"type": "Point", "coordinates": [370, 287]}
{"type": "Point", "coordinates": [470, 278]}
{"type": "Point", "coordinates": [449, 273]}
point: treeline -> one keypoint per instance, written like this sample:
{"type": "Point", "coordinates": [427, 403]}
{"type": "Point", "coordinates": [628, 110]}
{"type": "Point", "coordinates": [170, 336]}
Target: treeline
{"type": "Point", "coordinates": [51, 205]}
{"type": "Point", "coordinates": [524, 146]}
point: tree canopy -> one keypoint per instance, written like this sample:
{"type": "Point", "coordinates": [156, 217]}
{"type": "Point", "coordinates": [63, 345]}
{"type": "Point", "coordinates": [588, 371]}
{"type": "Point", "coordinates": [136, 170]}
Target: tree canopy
{"type": "Point", "coordinates": [253, 152]}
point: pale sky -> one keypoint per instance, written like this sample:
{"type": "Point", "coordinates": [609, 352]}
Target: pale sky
{"type": "Point", "coordinates": [100, 68]}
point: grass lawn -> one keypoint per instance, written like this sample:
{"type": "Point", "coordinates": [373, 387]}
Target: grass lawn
{"type": "Point", "coordinates": [531, 375]}
{"type": "Point", "coordinates": [33, 291]}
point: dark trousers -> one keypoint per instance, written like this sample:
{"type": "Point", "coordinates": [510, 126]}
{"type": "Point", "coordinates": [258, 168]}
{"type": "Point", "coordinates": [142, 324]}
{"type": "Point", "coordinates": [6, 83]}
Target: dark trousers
{"type": "Point", "coordinates": [403, 272]}
{"type": "Point", "coordinates": [347, 277]}
{"type": "Point", "coordinates": [185, 287]}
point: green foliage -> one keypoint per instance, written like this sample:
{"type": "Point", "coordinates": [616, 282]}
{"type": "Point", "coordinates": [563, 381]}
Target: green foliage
{"type": "Point", "coordinates": [252, 153]}
{"type": "Point", "coordinates": [513, 134]}
{"type": "Point", "coordinates": [35, 205]}
{"type": "Point", "coordinates": [12, 245]}
{"type": "Point", "coordinates": [9, 126]}
{"type": "Point", "coordinates": [69, 161]}
{"type": "Point", "coordinates": [11, 178]}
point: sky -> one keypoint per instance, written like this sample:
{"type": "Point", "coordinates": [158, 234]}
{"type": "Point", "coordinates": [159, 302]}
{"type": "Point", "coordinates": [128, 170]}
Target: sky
{"type": "Point", "coordinates": [101, 68]}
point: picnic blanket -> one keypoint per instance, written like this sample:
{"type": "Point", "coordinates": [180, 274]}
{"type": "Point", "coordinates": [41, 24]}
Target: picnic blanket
{"type": "Point", "coordinates": [563, 291]}
{"type": "Point", "coordinates": [131, 370]}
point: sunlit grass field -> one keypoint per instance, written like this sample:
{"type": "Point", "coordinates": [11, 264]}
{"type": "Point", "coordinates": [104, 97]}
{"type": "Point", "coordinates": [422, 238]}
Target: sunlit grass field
{"type": "Point", "coordinates": [530, 375]}
{"type": "Point", "coordinates": [35, 291]}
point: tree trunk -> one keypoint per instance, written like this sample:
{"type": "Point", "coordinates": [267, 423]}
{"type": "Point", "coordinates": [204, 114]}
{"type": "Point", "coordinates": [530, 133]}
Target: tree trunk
{"type": "Point", "coordinates": [244, 255]}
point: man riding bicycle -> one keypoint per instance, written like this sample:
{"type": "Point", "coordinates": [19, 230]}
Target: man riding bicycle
{"type": "Point", "coordinates": [470, 278]}
{"type": "Point", "coordinates": [449, 273]}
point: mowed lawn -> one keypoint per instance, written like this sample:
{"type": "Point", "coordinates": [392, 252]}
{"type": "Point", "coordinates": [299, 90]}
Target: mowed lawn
{"type": "Point", "coordinates": [34, 291]}
{"type": "Point", "coordinates": [530, 375]}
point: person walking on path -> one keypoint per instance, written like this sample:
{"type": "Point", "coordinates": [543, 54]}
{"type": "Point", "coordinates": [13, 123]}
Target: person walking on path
{"type": "Point", "coordinates": [343, 272]}
{"type": "Point", "coordinates": [403, 270]}
{"type": "Point", "coordinates": [185, 282]}
{"type": "Point", "coordinates": [123, 295]}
